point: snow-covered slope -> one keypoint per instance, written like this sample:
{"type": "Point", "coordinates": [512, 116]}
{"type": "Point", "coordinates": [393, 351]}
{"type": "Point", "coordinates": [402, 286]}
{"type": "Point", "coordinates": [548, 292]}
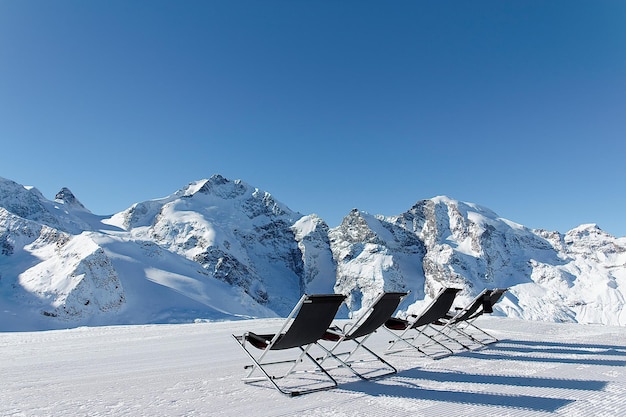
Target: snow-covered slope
{"type": "Point", "coordinates": [52, 278]}
{"type": "Point", "coordinates": [236, 233]}
{"type": "Point", "coordinates": [221, 249]}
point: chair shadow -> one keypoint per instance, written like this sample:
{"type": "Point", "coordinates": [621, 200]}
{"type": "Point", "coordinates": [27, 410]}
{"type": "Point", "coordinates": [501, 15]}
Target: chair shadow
{"type": "Point", "coordinates": [564, 348]}
{"type": "Point", "coordinates": [551, 353]}
{"type": "Point", "coordinates": [412, 390]}
{"type": "Point", "coordinates": [518, 381]}
{"type": "Point", "coordinates": [409, 387]}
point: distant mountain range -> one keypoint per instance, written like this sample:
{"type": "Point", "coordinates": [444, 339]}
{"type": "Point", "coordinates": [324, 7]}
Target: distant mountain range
{"type": "Point", "coordinates": [219, 249]}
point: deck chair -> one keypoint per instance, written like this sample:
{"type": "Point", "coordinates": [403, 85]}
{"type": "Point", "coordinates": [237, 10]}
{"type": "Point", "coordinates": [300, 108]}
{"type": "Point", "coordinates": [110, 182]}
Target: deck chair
{"type": "Point", "coordinates": [452, 325]}
{"type": "Point", "coordinates": [358, 332]}
{"type": "Point", "coordinates": [423, 327]}
{"type": "Point", "coordinates": [306, 324]}
{"type": "Point", "coordinates": [463, 321]}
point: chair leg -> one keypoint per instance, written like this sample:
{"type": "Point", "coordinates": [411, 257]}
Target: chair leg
{"type": "Point", "coordinates": [410, 343]}
{"type": "Point", "coordinates": [461, 331]}
{"type": "Point", "coordinates": [491, 338]}
{"type": "Point", "coordinates": [446, 336]}
{"type": "Point", "coordinates": [348, 362]}
{"type": "Point", "coordinates": [261, 366]}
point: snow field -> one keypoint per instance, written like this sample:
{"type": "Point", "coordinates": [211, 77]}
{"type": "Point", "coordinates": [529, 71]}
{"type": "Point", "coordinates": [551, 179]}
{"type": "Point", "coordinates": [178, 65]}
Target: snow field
{"type": "Point", "coordinates": [537, 369]}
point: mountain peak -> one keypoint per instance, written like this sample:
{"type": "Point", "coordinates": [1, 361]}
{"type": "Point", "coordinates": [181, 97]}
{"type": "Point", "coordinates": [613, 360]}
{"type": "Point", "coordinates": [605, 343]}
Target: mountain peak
{"type": "Point", "coordinates": [443, 199]}
{"type": "Point", "coordinates": [590, 234]}
{"type": "Point", "coordinates": [586, 228]}
{"type": "Point", "coordinates": [217, 186]}
{"type": "Point", "coordinates": [65, 196]}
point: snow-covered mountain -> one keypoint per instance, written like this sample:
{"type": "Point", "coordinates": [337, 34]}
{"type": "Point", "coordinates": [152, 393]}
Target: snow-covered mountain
{"type": "Point", "coordinates": [221, 249]}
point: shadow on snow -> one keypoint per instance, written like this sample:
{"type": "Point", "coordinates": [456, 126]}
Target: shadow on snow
{"type": "Point", "coordinates": [406, 384]}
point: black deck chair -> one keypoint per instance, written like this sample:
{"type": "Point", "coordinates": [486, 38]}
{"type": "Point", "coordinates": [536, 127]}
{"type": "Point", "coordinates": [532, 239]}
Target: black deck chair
{"type": "Point", "coordinates": [451, 324]}
{"type": "Point", "coordinates": [434, 313]}
{"type": "Point", "coordinates": [463, 321]}
{"type": "Point", "coordinates": [306, 324]}
{"type": "Point", "coordinates": [359, 331]}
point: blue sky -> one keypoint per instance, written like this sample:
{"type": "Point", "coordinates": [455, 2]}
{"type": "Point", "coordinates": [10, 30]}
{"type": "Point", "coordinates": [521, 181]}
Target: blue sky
{"type": "Point", "coordinates": [519, 106]}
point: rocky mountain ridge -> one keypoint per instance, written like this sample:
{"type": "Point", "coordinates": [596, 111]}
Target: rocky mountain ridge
{"type": "Point", "coordinates": [220, 249]}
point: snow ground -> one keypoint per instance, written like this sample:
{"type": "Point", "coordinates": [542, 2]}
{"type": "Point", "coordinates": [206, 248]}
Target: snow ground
{"type": "Point", "coordinates": [538, 369]}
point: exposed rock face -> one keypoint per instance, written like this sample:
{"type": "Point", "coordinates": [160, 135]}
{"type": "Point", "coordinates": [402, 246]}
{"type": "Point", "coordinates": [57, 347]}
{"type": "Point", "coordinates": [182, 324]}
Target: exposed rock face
{"type": "Point", "coordinates": [65, 196]}
{"type": "Point", "coordinates": [316, 258]}
{"type": "Point", "coordinates": [63, 276]}
{"type": "Point", "coordinates": [579, 276]}
{"type": "Point", "coordinates": [373, 255]}
{"type": "Point", "coordinates": [238, 234]}
{"type": "Point", "coordinates": [27, 203]}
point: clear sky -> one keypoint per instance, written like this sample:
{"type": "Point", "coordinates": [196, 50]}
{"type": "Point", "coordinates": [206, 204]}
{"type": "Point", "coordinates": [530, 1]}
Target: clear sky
{"type": "Point", "coordinates": [519, 106]}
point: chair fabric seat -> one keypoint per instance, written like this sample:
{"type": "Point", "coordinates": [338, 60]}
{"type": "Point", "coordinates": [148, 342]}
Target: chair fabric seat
{"type": "Point", "coordinates": [396, 324]}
